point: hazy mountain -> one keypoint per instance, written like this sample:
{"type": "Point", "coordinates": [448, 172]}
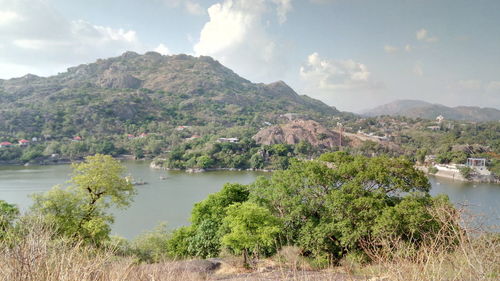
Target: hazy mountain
{"type": "Point", "coordinates": [416, 108]}
{"type": "Point", "coordinates": [111, 95]}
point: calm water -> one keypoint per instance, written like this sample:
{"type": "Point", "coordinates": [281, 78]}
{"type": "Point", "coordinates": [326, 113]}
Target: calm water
{"type": "Point", "coordinates": [171, 200]}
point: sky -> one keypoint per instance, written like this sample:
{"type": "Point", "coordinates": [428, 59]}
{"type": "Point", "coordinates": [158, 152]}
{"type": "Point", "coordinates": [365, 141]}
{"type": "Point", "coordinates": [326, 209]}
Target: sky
{"type": "Point", "coordinates": [351, 54]}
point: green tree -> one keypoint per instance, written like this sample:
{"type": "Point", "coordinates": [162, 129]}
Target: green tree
{"type": "Point", "coordinates": [80, 210]}
{"type": "Point", "coordinates": [207, 216]}
{"type": "Point", "coordinates": [329, 207]}
{"type": "Point", "coordinates": [257, 161]}
{"type": "Point", "coordinates": [8, 213]}
{"type": "Point", "coordinates": [204, 161]}
{"type": "Point", "coordinates": [251, 230]}
{"type": "Point", "coordinates": [466, 171]}
{"type": "Point", "coordinates": [178, 243]}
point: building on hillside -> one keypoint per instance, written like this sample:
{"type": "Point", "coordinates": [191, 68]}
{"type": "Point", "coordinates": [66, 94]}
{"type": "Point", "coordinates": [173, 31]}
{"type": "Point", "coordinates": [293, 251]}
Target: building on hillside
{"type": "Point", "coordinates": [24, 142]}
{"type": "Point", "coordinates": [77, 138]}
{"type": "Point", "coordinates": [232, 140]}
{"type": "Point", "coordinates": [430, 158]}
{"type": "Point", "coordinates": [130, 136]}
{"type": "Point", "coordinates": [5, 144]}
{"type": "Point", "coordinates": [143, 135]}
{"type": "Point", "coordinates": [476, 162]}
{"type": "Point", "coordinates": [439, 119]}
{"type": "Point", "coordinates": [434, 128]}
{"type": "Point", "coordinates": [181, 128]}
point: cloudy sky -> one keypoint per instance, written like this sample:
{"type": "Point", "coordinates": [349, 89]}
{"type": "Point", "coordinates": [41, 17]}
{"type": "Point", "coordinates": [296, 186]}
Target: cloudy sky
{"type": "Point", "coordinates": [352, 54]}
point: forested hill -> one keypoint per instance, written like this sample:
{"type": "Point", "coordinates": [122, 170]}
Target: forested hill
{"type": "Point", "coordinates": [421, 109]}
{"type": "Point", "coordinates": [112, 96]}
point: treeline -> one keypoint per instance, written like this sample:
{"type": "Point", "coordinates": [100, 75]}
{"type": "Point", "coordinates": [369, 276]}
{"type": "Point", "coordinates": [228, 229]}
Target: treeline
{"type": "Point", "coordinates": [207, 152]}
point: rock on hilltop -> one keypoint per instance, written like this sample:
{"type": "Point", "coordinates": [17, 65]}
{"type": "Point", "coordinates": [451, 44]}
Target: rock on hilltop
{"type": "Point", "coordinates": [297, 131]}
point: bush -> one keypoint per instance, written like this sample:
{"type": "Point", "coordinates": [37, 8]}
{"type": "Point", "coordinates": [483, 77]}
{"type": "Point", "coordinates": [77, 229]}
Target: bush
{"type": "Point", "coordinates": [152, 246]}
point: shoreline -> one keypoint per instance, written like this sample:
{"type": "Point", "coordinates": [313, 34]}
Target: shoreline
{"type": "Point", "coordinates": [450, 175]}
{"type": "Point", "coordinates": [48, 161]}
{"type": "Point", "coordinates": [455, 176]}
{"type": "Point", "coordinates": [153, 165]}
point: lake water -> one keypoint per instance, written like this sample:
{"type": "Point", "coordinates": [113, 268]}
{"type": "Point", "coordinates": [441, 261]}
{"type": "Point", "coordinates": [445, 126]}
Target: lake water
{"type": "Point", "coordinates": [172, 199]}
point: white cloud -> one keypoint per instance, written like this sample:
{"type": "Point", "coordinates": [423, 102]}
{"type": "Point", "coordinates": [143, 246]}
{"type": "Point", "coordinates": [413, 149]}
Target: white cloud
{"type": "Point", "coordinates": [390, 49]}
{"type": "Point", "coordinates": [162, 49]}
{"type": "Point", "coordinates": [322, 1]}
{"type": "Point", "coordinates": [283, 8]}
{"type": "Point", "coordinates": [189, 6]}
{"type": "Point", "coordinates": [493, 87]}
{"type": "Point", "coordinates": [43, 41]}
{"type": "Point", "coordinates": [327, 74]}
{"type": "Point", "coordinates": [236, 34]}
{"type": "Point", "coordinates": [194, 8]}
{"type": "Point", "coordinates": [470, 85]}
{"type": "Point", "coordinates": [418, 69]}
{"type": "Point", "coordinates": [9, 17]}
{"type": "Point", "coordinates": [423, 35]}
{"type": "Point", "coordinates": [476, 86]}
{"type": "Point", "coordinates": [346, 84]}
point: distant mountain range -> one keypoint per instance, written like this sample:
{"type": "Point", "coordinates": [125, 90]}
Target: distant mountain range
{"type": "Point", "coordinates": [144, 92]}
{"type": "Point", "coordinates": [422, 109]}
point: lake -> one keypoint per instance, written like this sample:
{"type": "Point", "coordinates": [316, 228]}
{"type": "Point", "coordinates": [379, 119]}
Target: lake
{"type": "Point", "coordinates": [172, 199]}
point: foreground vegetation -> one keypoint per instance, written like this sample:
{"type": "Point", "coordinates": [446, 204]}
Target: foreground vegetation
{"type": "Point", "coordinates": [364, 216]}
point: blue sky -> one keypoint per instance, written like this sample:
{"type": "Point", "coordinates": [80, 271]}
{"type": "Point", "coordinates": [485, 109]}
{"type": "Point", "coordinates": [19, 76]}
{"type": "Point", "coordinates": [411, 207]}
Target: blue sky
{"type": "Point", "coordinates": [352, 54]}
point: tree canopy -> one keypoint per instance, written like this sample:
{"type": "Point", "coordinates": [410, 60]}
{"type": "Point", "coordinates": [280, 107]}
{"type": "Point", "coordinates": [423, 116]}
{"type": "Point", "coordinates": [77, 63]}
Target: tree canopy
{"type": "Point", "coordinates": [80, 210]}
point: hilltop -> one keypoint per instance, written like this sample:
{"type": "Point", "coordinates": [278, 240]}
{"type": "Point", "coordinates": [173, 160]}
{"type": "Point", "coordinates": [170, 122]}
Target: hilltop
{"type": "Point", "coordinates": [297, 131]}
{"type": "Point", "coordinates": [422, 109]}
{"type": "Point", "coordinates": [116, 95]}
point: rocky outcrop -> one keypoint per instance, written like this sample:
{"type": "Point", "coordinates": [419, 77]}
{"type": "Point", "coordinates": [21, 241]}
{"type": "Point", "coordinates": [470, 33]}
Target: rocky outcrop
{"type": "Point", "coordinates": [120, 81]}
{"type": "Point", "coordinates": [297, 131]}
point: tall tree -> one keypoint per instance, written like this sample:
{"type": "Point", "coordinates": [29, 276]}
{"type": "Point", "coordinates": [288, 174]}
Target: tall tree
{"type": "Point", "coordinates": [81, 209]}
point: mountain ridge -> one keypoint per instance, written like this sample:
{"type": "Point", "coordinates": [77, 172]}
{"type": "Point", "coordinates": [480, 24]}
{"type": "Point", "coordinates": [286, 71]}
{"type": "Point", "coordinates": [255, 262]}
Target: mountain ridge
{"type": "Point", "coordinates": [426, 110]}
{"type": "Point", "coordinates": [134, 89]}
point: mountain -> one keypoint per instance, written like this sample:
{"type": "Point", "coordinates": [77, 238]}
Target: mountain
{"type": "Point", "coordinates": [116, 95]}
{"type": "Point", "coordinates": [422, 109]}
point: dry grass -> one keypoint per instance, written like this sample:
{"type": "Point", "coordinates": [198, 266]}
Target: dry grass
{"type": "Point", "coordinates": [455, 253]}
{"type": "Point", "coordinates": [474, 255]}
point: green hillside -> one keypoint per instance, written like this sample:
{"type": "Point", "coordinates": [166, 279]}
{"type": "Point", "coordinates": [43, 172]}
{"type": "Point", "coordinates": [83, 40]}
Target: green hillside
{"type": "Point", "coordinates": [136, 93]}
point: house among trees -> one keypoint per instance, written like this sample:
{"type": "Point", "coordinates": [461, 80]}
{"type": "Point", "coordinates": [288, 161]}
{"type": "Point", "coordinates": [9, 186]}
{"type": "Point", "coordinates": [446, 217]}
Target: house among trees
{"type": "Point", "coordinates": [476, 162]}
{"type": "Point", "coordinates": [430, 158]}
{"type": "Point", "coordinates": [181, 128]}
{"type": "Point", "coordinates": [77, 138]}
{"type": "Point", "coordinates": [143, 135]}
{"type": "Point", "coordinates": [24, 142]}
{"type": "Point", "coordinates": [5, 144]}
{"type": "Point", "coordinates": [232, 140]}
{"type": "Point", "coordinates": [130, 136]}
{"type": "Point", "coordinates": [439, 119]}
